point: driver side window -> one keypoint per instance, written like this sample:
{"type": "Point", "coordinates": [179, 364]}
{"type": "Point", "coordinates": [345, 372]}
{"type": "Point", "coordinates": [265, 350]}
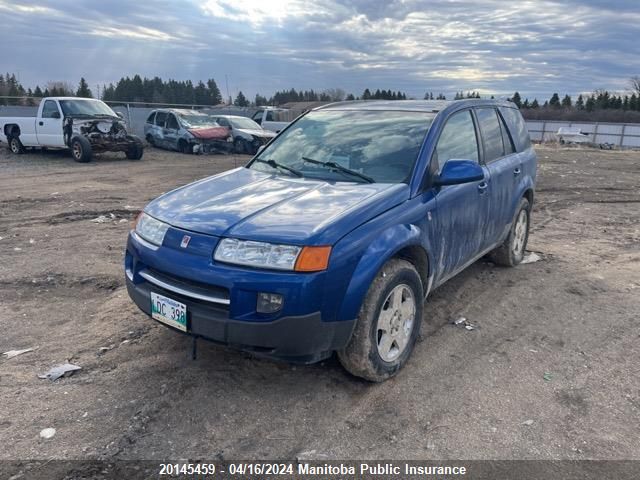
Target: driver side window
{"type": "Point", "coordinates": [49, 109]}
{"type": "Point", "coordinates": [172, 123]}
{"type": "Point", "coordinates": [457, 140]}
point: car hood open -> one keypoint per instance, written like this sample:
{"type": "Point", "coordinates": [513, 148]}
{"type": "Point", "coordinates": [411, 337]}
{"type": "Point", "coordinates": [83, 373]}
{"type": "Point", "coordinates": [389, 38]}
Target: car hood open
{"type": "Point", "coordinates": [253, 205]}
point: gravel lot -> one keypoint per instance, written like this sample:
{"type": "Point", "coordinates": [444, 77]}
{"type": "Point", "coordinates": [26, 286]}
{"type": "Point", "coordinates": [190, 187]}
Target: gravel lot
{"type": "Point", "coordinates": [550, 372]}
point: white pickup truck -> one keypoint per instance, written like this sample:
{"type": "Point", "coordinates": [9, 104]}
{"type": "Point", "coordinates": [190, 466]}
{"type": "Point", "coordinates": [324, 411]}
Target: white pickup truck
{"type": "Point", "coordinates": [272, 118]}
{"type": "Point", "coordinates": [82, 125]}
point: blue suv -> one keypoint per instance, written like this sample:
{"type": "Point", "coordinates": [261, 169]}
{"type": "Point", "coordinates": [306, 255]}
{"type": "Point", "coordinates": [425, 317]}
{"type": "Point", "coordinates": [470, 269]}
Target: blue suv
{"type": "Point", "coordinates": [332, 236]}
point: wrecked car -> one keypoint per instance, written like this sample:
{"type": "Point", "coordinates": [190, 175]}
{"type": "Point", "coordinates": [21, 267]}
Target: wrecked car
{"type": "Point", "coordinates": [331, 237]}
{"type": "Point", "coordinates": [186, 131]}
{"type": "Point", "coordinates": [248, 136]}
{"type": "Point", "coordinates": [83, 125]}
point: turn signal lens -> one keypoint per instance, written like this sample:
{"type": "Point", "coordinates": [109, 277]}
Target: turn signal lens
{"type": "Point", "coordinates": [313, 259]}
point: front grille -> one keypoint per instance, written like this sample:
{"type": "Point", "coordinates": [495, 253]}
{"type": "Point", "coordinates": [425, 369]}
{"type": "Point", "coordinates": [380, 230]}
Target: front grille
{"type": "Point", "coordinates": [194, 287]}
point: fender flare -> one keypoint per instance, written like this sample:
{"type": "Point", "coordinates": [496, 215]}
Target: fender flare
{"type": "Point", "coordinates": [386, 245]}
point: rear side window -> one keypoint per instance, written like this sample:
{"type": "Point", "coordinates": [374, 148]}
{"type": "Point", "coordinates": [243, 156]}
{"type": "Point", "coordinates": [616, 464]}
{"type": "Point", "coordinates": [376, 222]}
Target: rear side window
{"type": "Point", "coordinates": [160, 118]}
{"type": "Point", "coordinates": [491, 133]}
{"type": "Point", "coordinates": [517, 127]}
{"type": "Point", "coordinates": [49, 109]}
{"type": "Point", "coordinates": [457, 140]}
{"type": "Point", "coordinates": [151, 117]}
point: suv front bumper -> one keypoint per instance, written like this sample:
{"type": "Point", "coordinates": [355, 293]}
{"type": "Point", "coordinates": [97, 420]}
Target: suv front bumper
{"type": "Point", "coordinates": [299, 339]}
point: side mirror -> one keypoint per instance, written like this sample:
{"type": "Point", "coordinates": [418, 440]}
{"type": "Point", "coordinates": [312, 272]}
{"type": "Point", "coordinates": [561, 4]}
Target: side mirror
{"type": "Point", "coordinates": [119, 114]}
{"type": "Point", "coordinates": [456, 172]}
{"type": "Point", "coordinates": [55, 114]}
{"type": "Point", "coordinates": [260, 148]}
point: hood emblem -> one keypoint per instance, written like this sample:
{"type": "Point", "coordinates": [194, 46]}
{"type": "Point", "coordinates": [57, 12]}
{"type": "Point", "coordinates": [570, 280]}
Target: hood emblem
{"type": "Point", "coordinates": [185, 241]}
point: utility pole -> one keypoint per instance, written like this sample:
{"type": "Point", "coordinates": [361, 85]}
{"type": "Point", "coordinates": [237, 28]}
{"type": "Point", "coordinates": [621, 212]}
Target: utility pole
{"type": "Point", "coordinates": [226, 79]}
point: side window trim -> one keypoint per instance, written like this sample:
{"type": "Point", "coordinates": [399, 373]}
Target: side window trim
{"type": "Point", "coordinates": [478, 132]}
{"type": "Point", "coordinates": [505, 128]}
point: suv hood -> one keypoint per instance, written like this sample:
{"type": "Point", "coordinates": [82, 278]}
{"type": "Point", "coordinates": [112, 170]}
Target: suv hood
{"type": "Point", "coordinates": [253, 205]}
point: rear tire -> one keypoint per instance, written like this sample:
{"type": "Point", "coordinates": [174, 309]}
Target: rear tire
{"type": "Point", "coordinates": [81, 150]}
{"type": "Point", "coordinates": [136, 149]}
{"type": "Point", "coordinates": [511, 252]}
{"type": "Point", "coordinates": [388, 323]}
{"type": "Point", "coordinates": [16, 145]}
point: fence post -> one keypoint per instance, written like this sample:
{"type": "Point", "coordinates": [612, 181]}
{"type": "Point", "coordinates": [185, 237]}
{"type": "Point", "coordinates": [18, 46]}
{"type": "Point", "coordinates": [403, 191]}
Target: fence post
{"type": "Point", "coordinates": [544, 125]}
{"type": "Point", "coordinates": [624, 127]}
{"type": "Point", "coordinates": [595, 133]}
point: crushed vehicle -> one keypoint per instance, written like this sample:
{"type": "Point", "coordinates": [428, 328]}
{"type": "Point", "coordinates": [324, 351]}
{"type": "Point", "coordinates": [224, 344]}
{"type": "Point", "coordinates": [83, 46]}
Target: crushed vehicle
{"type": "Point", "coordinates": [248, 136]}
{"type": "Point", "coordinates": [273, 118]}
{"type": "Point", "coordinates": [572, 135]}
{"type": "Point", "coordinates": [186, 131]}
{"type": "Point", "coordinates": [332, 236]}
{"type": "Point", "coordinates": [83, 125]}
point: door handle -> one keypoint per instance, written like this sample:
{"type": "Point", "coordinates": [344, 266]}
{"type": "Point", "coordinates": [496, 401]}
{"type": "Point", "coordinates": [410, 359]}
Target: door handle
{"type": "Point", "coordinates": [482, 188]}
{"type": "Point", "coordinates": [41, 123]}
{"type": "Point", "coordinates": [517, 171]}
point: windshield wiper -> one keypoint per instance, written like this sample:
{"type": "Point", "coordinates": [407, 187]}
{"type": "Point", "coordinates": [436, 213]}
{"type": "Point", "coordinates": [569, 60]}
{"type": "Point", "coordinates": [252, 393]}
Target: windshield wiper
{"type": "Point", "coordinates": [272, 163]}
{"type": "Point", "coordinates": [340, 168]}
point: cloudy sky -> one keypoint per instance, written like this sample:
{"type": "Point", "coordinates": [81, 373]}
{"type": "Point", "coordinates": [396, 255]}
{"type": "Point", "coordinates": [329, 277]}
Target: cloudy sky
{"type": "Point", "coordinates": [536, 47]}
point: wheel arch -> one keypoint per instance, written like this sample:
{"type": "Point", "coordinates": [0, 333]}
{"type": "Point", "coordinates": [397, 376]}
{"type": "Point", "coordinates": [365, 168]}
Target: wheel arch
{"type": "Point", "coordinates": [398, 241]}
{"type": "Point", "coordinates": [12, 129]}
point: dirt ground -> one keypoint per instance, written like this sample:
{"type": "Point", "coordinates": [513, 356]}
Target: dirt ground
{"type": "Point", "coordinates": [551, 372]}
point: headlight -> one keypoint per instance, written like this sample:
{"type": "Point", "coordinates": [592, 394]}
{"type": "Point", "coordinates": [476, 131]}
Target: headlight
{"type": "Point", "coordinates": [269, 255]}
{"type": "Point", "coordinates": [151, 229]}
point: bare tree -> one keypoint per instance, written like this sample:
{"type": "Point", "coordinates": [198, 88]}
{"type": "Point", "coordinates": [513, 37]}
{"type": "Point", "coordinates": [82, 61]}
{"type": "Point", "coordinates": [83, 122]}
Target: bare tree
{"type": "Point", "coordinates": [634, 82]}
{"type": "Point", "coordinates": [336, 94]}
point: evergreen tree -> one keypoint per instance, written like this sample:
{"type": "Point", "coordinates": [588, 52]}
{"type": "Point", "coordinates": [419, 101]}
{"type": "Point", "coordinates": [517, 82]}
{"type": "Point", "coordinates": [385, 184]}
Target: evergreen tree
{"type": "Point", "coordinates": [535, 103]}
{"type": "Point", "coordinates": [83, 89]}
{"type": "Point", "coordinates": [590, 105]}
{"type": "Point", "coordinates": [241, 101]}
{"type": "Point", "coordinates": [554, 101]}
{"type": "Point", "coordinates": [516, 99]}
{"type": "Point", "coordinates": [580, 103]}
{"type": "Point", "coordinates": [38, 92]}
{"type": "Point", "coordinates": [350, 97]}
{"type": "Point", "coordinates": [215, 97]}
{"type": "Point", "coordinates": [566, 101]}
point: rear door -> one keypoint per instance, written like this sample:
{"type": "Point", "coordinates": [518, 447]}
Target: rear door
{"type": "Point", "coordinates": [49, 125]}
{"type": "Point", "coordinates": [504, 168]}
{"type": "Point", "coordinates": [171, 131]}
{"type": "Point", "coordinates": [462, 211]}
{"type": "Point", "coordinates": [158, 131]}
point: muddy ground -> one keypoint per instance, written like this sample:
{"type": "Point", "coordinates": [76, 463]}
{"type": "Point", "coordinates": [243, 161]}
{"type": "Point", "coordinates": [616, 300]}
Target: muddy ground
{"type": "Point", "coordinates": [550, 372]}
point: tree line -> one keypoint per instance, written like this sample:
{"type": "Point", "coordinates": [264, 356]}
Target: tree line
{"type": "Point", "coordinates": [600, 105]}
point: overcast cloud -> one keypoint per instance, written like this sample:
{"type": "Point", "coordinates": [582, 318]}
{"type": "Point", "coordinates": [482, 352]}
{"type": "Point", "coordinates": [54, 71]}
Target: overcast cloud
{"type": "Point", "coordinates": [536, 47]}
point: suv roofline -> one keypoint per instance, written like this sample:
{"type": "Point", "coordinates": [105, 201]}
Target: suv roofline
{"type": "Point", "coordinates": [430, 106]}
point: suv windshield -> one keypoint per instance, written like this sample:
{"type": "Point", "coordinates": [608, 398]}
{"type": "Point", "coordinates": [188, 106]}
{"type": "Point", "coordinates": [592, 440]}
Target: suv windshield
{"type": "Point", "coordinates": [72, 108]}
{"type": "Point", "coordinates": [246, 123]}
{"type": "Point", "coordinates": [194, 120]}
{"type": "Point", "coordinates": [382, 145]}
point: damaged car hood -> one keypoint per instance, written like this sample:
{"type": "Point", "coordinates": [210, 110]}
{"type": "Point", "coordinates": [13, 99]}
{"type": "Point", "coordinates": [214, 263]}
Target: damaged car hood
{"type": "Point", "coordinates": [210, 133]}
{"type": "Point", "coordinates": [253, 205]}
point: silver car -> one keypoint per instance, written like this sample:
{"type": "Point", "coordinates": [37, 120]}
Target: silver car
{"type": "Point", "coordinates": [187, 131]}
{"type": "Point", "coordinates": [248, 136]}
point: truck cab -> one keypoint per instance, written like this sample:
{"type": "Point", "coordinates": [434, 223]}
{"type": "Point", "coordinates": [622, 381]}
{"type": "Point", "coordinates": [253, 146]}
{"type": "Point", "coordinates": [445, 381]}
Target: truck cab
{"type": "Point", "coordinates": [272, 118]}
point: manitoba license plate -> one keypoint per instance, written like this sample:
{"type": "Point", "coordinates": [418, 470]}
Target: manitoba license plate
{"type": "Point", "coordinates": [169, 311]}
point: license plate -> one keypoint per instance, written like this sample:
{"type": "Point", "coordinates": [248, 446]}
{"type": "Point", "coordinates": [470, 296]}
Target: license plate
{"type": "Point", "coordinates": [168, 311]}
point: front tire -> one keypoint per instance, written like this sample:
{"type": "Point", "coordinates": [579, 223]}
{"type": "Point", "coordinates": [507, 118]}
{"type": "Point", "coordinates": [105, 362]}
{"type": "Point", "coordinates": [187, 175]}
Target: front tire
{"type": "Point", "coordinates": [511, 252]}
{"type": "Point", "coordinates": [16, 146]}
{"type": "Point", "coordinates": [135, 150]}
{"type": "Point", "coordinates": [81, 149]}
{"type": "Point", "coordinates": [388, 323]}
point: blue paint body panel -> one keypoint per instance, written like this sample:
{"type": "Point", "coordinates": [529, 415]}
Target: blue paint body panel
{"type": "Point", "coordinates": [365, 224]}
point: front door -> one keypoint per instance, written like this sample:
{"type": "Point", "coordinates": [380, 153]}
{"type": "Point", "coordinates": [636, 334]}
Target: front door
{"type": "Point", "coordinates": [462, 211]}
{"type": "Point", "coordinates": [49, 125]}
